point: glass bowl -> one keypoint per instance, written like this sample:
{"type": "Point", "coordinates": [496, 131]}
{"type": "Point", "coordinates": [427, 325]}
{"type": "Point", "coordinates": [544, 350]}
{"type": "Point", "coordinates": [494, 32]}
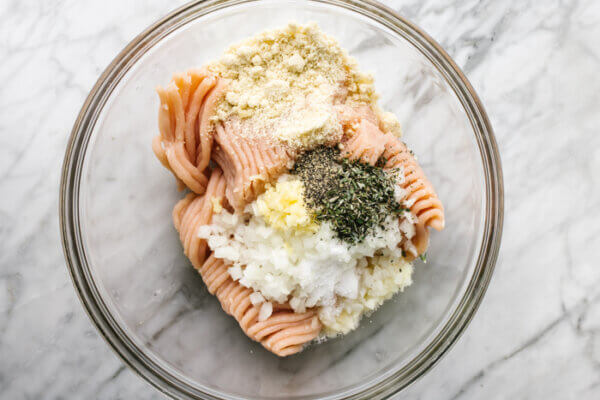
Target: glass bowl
{"type": "Point", "coordinates": [153, 309]}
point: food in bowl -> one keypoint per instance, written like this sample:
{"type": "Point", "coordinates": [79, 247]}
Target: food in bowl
{"type": "Point", "coordinates": [304, 210]}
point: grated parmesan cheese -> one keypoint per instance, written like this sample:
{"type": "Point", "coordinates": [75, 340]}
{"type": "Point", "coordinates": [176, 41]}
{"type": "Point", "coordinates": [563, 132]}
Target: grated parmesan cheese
{"type": "Point", "coordinates": [284, 83]}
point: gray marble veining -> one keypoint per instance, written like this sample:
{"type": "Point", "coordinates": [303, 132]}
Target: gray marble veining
{"type": "Point", "coordinates": [534, 65]}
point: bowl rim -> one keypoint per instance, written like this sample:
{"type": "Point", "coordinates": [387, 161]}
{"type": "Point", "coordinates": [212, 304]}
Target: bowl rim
{"type": "Point", "coordinates": [75, 255]}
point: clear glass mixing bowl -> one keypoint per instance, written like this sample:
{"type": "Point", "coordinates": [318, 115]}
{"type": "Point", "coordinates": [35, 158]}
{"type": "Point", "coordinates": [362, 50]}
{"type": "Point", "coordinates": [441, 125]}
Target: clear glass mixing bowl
{"type": "Point", "coordinates": [152, 307]}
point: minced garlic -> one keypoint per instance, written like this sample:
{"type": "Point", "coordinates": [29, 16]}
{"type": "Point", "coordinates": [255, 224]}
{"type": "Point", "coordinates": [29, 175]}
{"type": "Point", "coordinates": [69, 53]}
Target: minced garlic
{"type": "Point", "coordinates": [383, 277]}
{"type": "Point", "coordinates": [282, 207]}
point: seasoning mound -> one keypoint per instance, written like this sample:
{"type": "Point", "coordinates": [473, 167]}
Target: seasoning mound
{"type": "Point", "coordinates": [308, 267]}
{"type": "Point", "coordinates": [353, 196]}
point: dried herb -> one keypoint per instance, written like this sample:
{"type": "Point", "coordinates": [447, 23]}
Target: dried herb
{"type": "Point", "coordinates": [353, 196]}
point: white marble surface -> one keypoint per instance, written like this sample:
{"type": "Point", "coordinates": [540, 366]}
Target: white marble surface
{"type": "Point", "coordinates": [534, 64]}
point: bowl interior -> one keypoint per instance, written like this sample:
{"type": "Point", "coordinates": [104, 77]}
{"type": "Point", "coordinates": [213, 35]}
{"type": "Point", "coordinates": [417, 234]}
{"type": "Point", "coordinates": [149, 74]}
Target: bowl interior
{"type": "Point", "coordinates": [148, 286]}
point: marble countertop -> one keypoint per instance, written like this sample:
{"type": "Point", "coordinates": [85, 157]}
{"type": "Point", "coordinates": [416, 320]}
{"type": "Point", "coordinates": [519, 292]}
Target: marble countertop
{"type": "Point", "coordinates": [534, 64]}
